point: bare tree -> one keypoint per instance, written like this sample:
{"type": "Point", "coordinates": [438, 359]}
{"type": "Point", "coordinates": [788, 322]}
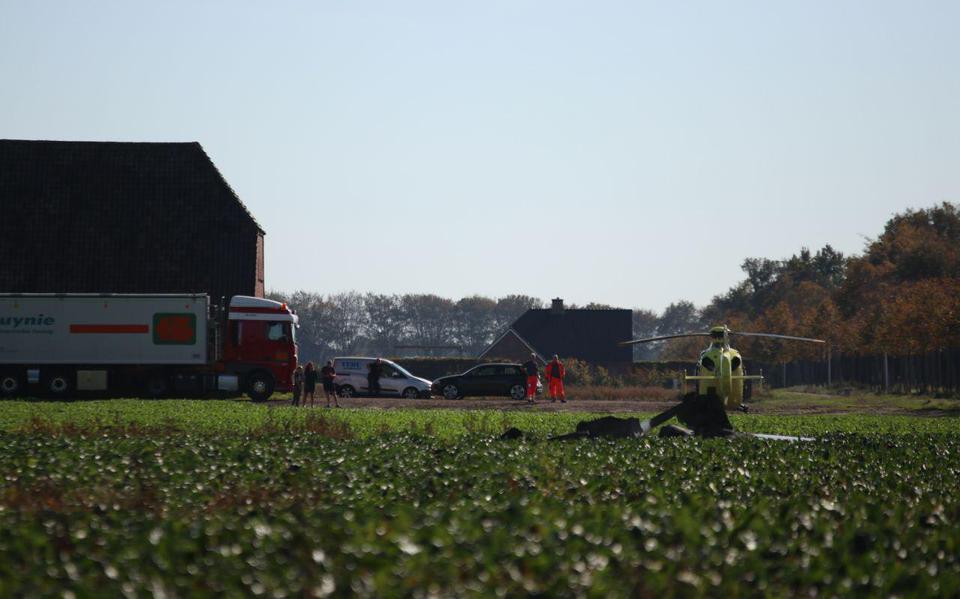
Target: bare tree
{"type": "Point", "coordinates": [474, 323]}
{"type": "Point", "coordinates": [644, 325]}
{"type": "Point", "coordinates": [431, 320]}
{"type": "Point", "coordinates": [386, 322]}
{"type": "Point", "coordinates": [345, 323]}
{"type": "Point", "coordinates": [511, 307]}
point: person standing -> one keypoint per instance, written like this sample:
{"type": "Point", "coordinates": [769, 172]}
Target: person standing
{"type": "Point", "coordinates": [327, 374]}
{"type": "Point", "coordinates": [309, 383]}
{"type": "Point", "coordinates": [555, 373]}
{"type": "Point", "coordinates": [373, 377]}
{"type": "Point", "coordinates": [533, 377]}
{"type": "Point", "coordinates": [297, 385]}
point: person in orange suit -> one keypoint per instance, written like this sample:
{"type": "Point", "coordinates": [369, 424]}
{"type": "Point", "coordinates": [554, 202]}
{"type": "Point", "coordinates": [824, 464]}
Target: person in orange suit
{"type": "Point", "coordinates": [533, 377]}
{"type": "Point", "coordinates": [555, 373]}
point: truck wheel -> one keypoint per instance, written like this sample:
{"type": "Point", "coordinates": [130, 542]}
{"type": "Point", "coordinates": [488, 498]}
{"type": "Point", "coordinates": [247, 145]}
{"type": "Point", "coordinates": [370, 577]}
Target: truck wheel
{"type": "Point", "coordinates": [58, 385]}
{"type": "Point", "coordinates": [260, 386]}
{"type": "Point", "coordinates": [11, 384]}
{"type": "Point", "coordinates": [410, 393]}
{"type": "Point", "coordinates": [156, 386]}
{"type": "Point", "coordinates": [346, 391]}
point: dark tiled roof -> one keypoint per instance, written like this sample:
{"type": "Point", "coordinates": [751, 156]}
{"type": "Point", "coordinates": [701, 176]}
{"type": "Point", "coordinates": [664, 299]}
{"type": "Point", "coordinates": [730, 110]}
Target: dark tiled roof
{"type": "Point", "coordinates": [590, 335]}
{"type": "Point", "coordinates": [516, 347]}
{"type": "Point", "coordinates": [121, 217]}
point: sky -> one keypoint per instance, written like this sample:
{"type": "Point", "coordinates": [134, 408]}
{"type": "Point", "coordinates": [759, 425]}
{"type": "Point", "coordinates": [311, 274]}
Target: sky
{"type": "Point", "coordinates": [630, 153]}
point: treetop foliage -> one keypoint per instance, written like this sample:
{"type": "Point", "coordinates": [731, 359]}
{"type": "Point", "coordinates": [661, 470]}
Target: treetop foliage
{"type": "Point", "coordinates": [902, 296]}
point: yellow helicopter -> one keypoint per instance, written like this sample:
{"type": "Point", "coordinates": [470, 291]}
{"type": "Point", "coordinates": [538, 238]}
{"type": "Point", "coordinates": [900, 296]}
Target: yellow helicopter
{"type": "Point", "coordinates": [720, 382]}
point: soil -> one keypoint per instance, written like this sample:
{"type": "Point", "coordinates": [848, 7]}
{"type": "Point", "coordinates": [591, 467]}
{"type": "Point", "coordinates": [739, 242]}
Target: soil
{"type": "Point", "coordinates": [603, 406]}
{"type": "Point", "coordinates": [500, 403]}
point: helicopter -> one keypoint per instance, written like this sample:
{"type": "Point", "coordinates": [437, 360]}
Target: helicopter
{"type": "Point", "coordinates": [720, 384]}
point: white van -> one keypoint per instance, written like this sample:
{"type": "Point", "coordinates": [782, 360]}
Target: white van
{"type": "Point", "coordinates": [351, 379]}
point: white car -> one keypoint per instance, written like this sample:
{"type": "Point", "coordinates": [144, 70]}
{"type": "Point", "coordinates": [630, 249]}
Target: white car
{"type": "Point", "coordinates": [351, 379]}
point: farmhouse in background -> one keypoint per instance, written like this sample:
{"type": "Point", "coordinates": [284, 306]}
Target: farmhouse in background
{"type": "Point", "coordinates": [109, 217]}
{"type": "Point", "coordinates": [590, 335]}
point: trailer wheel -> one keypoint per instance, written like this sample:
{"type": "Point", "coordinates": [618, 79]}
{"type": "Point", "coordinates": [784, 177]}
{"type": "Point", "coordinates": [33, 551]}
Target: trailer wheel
{"type": "Point", "coordinates": [11, 384]}
{"type": "Point", "coordinates": [260, 386]}
{"type": "Point", "coordinates": [58, 385]}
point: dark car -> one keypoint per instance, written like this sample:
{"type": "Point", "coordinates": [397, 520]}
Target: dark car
{"type": "Point", "coordinates": [485, 380]}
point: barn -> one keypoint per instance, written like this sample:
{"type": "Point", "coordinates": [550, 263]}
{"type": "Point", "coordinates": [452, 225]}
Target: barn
{"type": "Point", "coordinates": [118, 217]}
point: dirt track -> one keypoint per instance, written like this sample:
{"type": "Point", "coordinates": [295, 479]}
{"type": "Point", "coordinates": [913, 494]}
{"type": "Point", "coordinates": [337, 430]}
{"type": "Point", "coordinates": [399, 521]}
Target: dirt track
{"type": "Point", "coordinates": [501, 404]}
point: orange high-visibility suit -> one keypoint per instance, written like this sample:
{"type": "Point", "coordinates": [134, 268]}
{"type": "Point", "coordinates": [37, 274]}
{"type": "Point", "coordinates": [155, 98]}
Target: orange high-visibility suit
{"type": "Point", "coordinates": [555, 374]}
{"type": "Point", "coordinates": [532, 378]}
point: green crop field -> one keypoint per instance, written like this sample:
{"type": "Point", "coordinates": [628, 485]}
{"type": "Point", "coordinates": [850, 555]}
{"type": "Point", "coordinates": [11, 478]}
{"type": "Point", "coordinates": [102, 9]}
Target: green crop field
{"type": "Point", "coordinates": [192, 498]}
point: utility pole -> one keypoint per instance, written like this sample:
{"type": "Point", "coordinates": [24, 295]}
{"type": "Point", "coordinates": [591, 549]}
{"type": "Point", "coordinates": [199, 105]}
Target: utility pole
{"type": "Point", "coordinates": [829, 367]}
{"type": "Point", "coordinates": [886, 373]}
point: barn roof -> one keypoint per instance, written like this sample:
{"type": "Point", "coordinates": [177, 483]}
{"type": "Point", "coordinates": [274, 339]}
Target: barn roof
{"type": "Point", "coordinates": [119, 175]}
{"type": "Point", "coordinates": [520, 340]}
{"type": "Point", "coordinates": [119, 217]}
{"type": "Point", "coordinates": [587, 334]}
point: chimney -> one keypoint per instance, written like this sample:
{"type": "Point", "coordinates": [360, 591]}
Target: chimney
{"type": "Point", "coordinates": [557, 307]}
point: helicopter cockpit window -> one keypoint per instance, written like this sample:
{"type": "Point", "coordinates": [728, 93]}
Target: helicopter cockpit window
{"type": "Point", "coordinates": [707, 363]}
{"type": "Point", "coordinates": [735, 362]}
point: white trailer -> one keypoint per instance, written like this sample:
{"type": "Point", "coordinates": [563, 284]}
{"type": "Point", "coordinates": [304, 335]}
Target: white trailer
{"type": "Point", "coordinates": [149, 344]}
{"type": "Point", "coordinates": [103, 329]}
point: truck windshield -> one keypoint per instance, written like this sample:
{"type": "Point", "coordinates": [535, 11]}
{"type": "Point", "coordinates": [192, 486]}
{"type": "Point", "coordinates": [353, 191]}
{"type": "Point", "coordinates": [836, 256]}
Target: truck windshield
{"type": "Point", "coordinates": [279, 331]}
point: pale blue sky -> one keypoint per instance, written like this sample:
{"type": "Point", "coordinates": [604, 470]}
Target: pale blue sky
{"type": "Point", "coordinates": [624, 152]}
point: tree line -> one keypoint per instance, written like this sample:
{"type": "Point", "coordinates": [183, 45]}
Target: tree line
{"type": "Point", "coordinates": [354, 323]}
{"type": "Point", "coordinates": [901, 296]}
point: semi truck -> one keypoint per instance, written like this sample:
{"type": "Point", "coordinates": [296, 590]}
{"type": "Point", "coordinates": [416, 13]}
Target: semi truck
{"type": "Point", "coordinates": [59, 345]}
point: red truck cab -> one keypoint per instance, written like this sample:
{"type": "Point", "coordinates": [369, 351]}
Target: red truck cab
{"type": "Point", "coordinates": [260, 345]}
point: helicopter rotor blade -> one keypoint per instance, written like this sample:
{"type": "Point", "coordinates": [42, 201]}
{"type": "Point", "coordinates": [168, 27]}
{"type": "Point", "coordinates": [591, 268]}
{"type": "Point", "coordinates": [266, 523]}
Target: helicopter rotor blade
{"type": "Point", "coordinates": [662, 337]}
{"type": "Point", "coordinates": [773, 336]}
